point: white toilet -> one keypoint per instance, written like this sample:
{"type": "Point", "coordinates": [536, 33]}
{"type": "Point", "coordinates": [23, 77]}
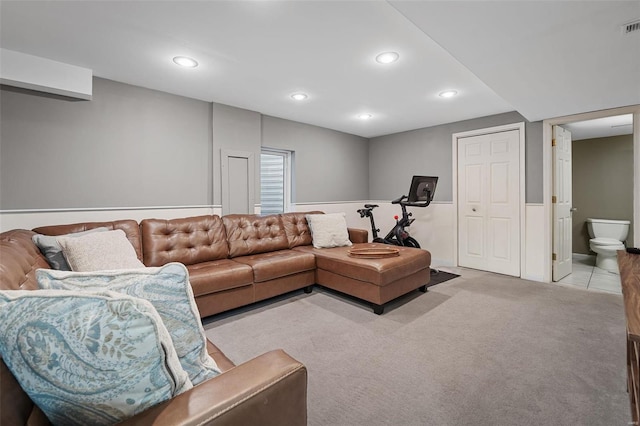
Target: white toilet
{"type": "Point", "coordinates": [607, 238]}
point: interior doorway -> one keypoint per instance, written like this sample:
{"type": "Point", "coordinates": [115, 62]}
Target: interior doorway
{"type": "Point", "coordinates": [573, 123]}
{"type": "Point", "coordinates": [600, 185]}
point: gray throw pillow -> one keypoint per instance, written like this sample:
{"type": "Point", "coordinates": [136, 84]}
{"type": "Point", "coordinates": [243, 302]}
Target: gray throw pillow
{"type": "Point", "coordinates": [51, 249]}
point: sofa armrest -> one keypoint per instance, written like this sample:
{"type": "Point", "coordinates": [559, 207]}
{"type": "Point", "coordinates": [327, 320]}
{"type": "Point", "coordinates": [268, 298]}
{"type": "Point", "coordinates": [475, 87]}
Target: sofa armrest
{"type": "Point", "coordinates": [358, 235]}
{"type": "Point", "coordinates": [268, 390]}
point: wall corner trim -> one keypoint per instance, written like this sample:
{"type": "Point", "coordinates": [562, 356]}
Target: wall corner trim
{"type": "Point", "coordinates": [44, 75]}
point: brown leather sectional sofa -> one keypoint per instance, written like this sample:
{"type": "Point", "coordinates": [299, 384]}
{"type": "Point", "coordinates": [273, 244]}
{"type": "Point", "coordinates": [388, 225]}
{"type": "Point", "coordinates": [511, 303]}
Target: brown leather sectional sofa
{"type": "Point", "coordinates": [233, 261]}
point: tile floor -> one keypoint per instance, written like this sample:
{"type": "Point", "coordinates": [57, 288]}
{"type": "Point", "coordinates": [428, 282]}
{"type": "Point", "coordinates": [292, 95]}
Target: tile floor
{"type": "Point", "coordinates": [586, 275]}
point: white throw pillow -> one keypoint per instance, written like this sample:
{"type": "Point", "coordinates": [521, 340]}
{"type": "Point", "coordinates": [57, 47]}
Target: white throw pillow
{"type": "Point", "coordinates": [100, 251]}
{"type": "Point", "coordinates": [328, 230]}
{"type": "Point", "coordinates": [169, 291]}
{"type": "Point", "coordinates": [88, 358]}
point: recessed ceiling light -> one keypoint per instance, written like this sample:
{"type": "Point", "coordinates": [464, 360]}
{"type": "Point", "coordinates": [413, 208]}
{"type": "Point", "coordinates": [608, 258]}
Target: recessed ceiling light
{"type": "Point", "coordinates": [387, 57]}
{"type": "Point", "coordinates": [299, 96]}
{"type": "Point", "coordinates": [364, 116]}
{"type": "Point", "coordinates": [448, 94]}
{"type": "Point", "coordinates": [184, 61]}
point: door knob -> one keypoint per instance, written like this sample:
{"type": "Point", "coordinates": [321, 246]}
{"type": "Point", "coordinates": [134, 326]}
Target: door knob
{"type": "Point", "coordinates": [473, 209]}
{"type": "Point", "coordinates": [573, 209]}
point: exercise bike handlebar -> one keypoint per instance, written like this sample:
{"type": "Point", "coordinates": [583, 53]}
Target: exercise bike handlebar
{"type": "Point", "coordinates": [421, 204]}
{"type": "Point", "coordinates": [411, 204]}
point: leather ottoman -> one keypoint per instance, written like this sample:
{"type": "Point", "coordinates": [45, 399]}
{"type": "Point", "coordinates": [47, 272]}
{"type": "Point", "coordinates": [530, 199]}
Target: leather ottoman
{"type": "Point", "coordinates": [377, 280]}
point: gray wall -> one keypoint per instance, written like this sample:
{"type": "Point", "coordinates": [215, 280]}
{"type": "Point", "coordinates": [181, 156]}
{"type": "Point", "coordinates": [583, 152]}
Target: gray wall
{"type": "Point", "coordinates": [394, 159]}
{"type": "Point", "coordinates": [135, 147]}
{"type": "Point", "coordinates": [329, 165]}
{"type": "Point", "coordinates": [237, 130]}
{"type": "Point", "coordinates": [128, 147]}
{"type": "Point", "coordinates": [602, 181]}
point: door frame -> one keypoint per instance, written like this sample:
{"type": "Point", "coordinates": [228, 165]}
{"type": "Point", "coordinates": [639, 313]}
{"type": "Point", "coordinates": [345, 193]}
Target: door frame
{"type": "Point", "coordinates": [225, 154]}
{"type": "Point", "coordinates": [547, 174]}
{"type": "Point", "coordinates": [454, 146]}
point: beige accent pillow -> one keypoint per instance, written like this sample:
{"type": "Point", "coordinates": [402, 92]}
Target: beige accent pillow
{"type": "Point", "coordinates": [48, 245]}
{"type": "Point", "coordinates": [328, 230]}
{"type": "Point", "coordinates": [100, 251]}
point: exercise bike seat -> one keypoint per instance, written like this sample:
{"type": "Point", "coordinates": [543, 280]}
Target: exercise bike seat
{"type": "Point", "coordinates": [370, 206]}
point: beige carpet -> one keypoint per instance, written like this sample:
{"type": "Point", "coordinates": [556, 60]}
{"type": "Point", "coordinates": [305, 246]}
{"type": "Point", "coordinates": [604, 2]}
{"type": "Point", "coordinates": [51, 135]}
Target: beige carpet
{"type": "Point", "coordinates": [482, 349]}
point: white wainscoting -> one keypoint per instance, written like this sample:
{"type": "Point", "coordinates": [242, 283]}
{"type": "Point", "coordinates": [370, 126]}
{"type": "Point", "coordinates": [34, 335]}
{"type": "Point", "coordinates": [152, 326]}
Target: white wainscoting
{"type": "Point", "coordinates": [533, 268]}
{"type": "Point", "coordinates": [349, 208]}
{"type": "Point", "coordinates": [433, 226]}
{"type": "Point", "coordinates": [30, 219]}
{"type": "Point", "coordinates": [433, 229]}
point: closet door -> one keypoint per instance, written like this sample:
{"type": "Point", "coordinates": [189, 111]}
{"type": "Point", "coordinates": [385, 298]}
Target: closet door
{"type": "Point", "coordinates": [489, 202]}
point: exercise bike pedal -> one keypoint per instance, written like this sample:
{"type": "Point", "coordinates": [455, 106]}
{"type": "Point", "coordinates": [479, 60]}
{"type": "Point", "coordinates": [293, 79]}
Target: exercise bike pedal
{"type": "Point", "coordinates": [370, 206]}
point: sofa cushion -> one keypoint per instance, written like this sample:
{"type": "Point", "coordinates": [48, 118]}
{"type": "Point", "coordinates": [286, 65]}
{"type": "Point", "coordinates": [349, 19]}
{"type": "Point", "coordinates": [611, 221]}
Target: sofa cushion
{"type": "Point", "coordinates": [50, 247]}
{"type": "Point", "coordinates": [218, 275]}
{"type": "Point", "coordinates": [99, 251]}
{"type": "Point", "coordinates": [223, 362]}
{"type": "Point", "coordinates": [188, 240]}
{"type": "Point", "coordinates": [277, 264]}
{"type": "Point", "coordinates": [253, 234]}
{"type": "Point", "coordinates": [297, 228]}
{"type": "Point", "coordinates": [328, 230]}
{"type": "Point", "coordinates": [130, 227]}
{"type": "Point", "coordinates": [88, 358]}
{"type": "Point", "coordinates": [168, 290]}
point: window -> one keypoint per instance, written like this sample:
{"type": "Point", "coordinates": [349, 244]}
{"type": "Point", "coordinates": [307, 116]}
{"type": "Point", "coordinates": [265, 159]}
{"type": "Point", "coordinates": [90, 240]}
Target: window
{"type": "Point", "coordinates": [275, 180]}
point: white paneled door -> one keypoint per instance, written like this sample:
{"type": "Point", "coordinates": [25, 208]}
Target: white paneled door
{"type": "Point", "coordinates": [489, 202]}
{"type": "Point", "coordinates": [561, 203]}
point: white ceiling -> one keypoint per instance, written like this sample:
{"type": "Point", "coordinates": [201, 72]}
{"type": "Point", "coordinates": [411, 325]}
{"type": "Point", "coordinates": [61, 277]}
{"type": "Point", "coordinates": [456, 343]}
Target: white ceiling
{"type": "Point", "coordinates": [601, 127]}
{"type": "Point", "coordinates": [542, 59]}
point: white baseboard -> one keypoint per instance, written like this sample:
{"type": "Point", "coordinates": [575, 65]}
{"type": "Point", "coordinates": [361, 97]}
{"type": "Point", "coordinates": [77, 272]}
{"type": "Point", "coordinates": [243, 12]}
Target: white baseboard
{"type": "Point", "coordinates": [436, 263]}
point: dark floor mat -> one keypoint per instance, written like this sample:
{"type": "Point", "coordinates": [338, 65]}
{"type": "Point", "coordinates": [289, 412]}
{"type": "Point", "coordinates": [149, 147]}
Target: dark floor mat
{"type": "Point", "coordinates": [438, 277]}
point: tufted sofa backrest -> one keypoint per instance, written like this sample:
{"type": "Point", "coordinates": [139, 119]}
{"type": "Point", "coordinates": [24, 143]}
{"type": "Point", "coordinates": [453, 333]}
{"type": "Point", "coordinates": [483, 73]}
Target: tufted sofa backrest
{"type": "Point", "coordinates": [20, 259]}
{"type": "Point", "coordinates": [297, 228]}
{"type": "Point", "coordinates": [253, 234]}
{"type": "Point", "coordinates": [188, 240]}
{"type": "Point", "coordinates": [129, 226]}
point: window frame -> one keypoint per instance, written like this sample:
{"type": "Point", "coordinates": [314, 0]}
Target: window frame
{"type": "Point", "coordinates": [288, 161]}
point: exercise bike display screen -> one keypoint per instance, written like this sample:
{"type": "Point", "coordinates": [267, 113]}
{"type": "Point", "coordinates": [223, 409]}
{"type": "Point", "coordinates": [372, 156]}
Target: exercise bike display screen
{"type": "Point", "coordinates": [422, 188]}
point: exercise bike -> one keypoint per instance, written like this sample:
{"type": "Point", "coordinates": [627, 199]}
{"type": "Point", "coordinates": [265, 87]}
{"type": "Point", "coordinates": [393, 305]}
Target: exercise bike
{"type": "Point", "coordinates": [420, 195]}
